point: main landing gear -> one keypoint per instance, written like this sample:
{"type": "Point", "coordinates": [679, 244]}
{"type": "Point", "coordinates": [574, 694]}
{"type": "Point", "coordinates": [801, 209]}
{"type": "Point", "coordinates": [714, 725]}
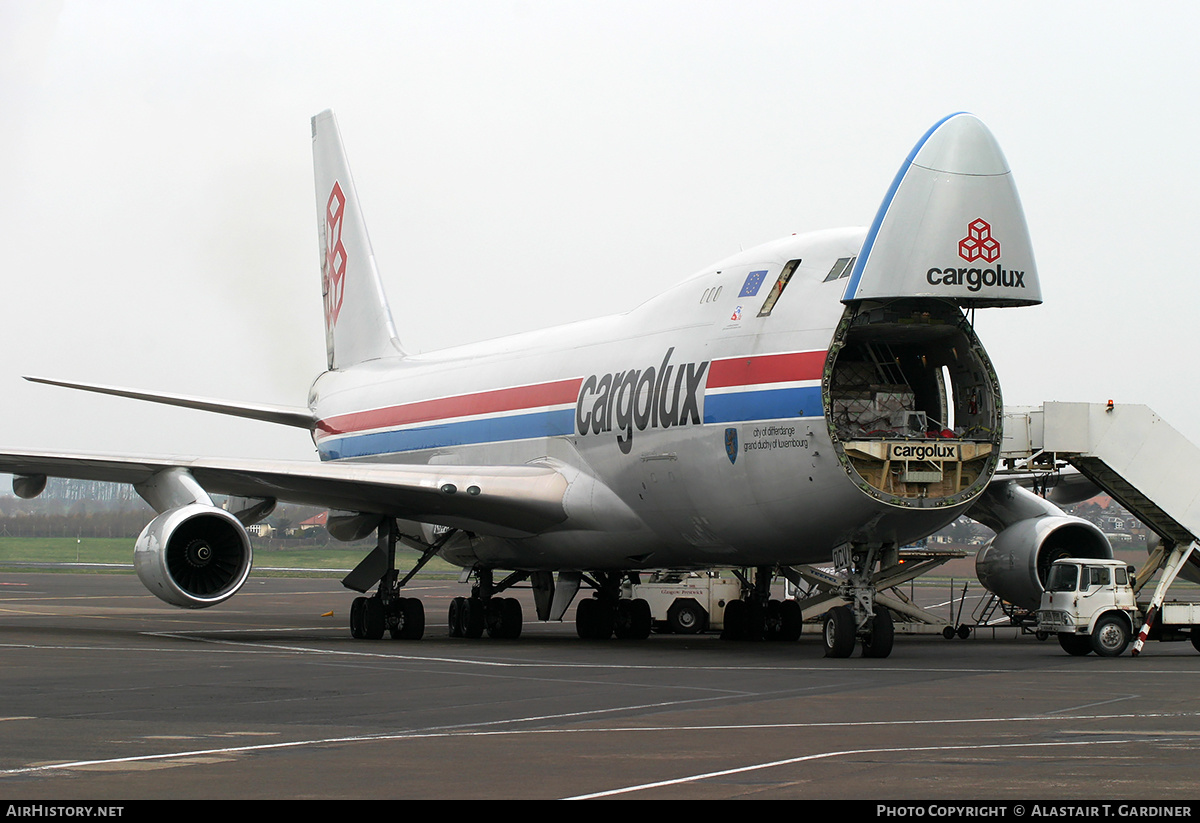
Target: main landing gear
{"type": "Point", "coordinates": [863, 619]}
{"type": "Point", "coordinates": [483, 611]}
{"type": "Point", "coordinates": [403, 618]}
{"type": "Point", "coordinates": [606, 613]}
{"type": "Point", "coordinates": [757, 616]}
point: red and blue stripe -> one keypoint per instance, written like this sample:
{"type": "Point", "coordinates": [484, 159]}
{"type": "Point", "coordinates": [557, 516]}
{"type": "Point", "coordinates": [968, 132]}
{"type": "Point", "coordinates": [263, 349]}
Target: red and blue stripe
{"type": "Point", "coordinates": [738, 389]}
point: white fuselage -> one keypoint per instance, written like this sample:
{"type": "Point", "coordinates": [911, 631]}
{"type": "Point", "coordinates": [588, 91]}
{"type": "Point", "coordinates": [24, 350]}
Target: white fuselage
{"type": "Point", "coordinates": [705, 420]}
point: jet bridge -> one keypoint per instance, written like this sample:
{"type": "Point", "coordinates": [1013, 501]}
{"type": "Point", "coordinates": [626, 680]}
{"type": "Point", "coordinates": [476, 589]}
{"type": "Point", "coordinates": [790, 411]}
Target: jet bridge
{"type": "Point", "coordinates": [1131, 453]}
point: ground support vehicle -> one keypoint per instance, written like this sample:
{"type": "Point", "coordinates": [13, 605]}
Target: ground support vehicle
{"type": "Point", "coordinates": [686, 602]}
{"type": "Point", "coordinates": [1091, 605]}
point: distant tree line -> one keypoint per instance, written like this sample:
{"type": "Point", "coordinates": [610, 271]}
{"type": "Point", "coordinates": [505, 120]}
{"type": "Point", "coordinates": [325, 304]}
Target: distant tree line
{"type": "Point", "coordinates": [125, 518]}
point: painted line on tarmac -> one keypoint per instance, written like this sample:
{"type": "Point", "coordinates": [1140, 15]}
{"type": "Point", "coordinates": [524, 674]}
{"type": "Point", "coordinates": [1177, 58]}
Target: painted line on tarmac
{"type": "Point", "coordinates": [1139, 739]}
{"type": "Point", "coordinates": [250, 647]}
{"type": "Point", "coordinates": [847, 753]}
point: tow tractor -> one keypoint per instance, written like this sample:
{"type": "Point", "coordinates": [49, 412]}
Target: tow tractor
{"type": "Point", "coordinates": [686, 602]}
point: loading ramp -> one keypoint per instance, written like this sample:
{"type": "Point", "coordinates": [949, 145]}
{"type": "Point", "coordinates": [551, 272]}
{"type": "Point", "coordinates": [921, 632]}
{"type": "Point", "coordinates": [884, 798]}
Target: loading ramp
{"type": "Point", "coordinates": [1132, 454]}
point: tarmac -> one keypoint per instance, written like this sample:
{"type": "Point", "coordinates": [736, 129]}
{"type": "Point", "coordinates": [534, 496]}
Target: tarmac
{"type": "Point", "coordinates": [108, 694]}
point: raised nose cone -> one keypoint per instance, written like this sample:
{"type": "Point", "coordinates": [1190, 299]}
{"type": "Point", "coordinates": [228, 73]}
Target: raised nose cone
{"type": "Point", "coordinates": [960, 144]}
{"type": "Point", "coordinates": [951, 226]}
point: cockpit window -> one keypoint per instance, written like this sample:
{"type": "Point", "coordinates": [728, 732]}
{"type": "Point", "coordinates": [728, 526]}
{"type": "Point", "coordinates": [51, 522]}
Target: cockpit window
{"type": "Point", "coordinates": [841, 268]}
{"type": "Point", "coordinates": [784, 277]}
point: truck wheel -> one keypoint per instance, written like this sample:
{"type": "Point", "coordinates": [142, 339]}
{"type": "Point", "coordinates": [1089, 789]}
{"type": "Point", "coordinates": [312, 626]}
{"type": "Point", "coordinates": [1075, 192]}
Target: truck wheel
{"type": "Point", "coordinates": [686, 616]}
{"type": "Point", "coordinates": [1110, 637]}
{"type": "Point", "coordinates": [1076, 644]}
{"type": "Point", "coordinates": [1196, 638]}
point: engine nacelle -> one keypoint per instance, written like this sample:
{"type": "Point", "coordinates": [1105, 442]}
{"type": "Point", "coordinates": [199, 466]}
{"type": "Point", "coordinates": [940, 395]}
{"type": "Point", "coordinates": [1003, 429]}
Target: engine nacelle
{"type": "Point", "coordinates": [193, 556]}
{"type": "Point", "coordinates": [1014, 564]}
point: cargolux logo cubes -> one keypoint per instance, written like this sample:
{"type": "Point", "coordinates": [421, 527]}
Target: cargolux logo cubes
{"type": "Point", "coordinates": [979, 242]}
{"type": "Point", "coordinates": [333, 268]}
{"type": "Point", "coordinates": [977, 245]}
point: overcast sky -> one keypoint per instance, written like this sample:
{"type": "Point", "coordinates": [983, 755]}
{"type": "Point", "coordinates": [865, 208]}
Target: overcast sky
{"type": "Point", "coordinates": [522, 164]}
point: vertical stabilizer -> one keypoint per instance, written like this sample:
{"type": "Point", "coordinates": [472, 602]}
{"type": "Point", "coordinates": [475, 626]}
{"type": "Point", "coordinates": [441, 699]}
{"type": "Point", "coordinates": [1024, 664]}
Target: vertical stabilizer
{"type": "Point", "coordinates": [358, 323]}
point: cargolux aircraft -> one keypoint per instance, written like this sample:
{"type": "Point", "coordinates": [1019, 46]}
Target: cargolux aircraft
{"type": "Point", "coordinates": [823, 396]}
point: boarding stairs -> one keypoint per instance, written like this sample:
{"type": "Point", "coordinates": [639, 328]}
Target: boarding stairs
{"type": "Point", "coordinates": [1134, 455]}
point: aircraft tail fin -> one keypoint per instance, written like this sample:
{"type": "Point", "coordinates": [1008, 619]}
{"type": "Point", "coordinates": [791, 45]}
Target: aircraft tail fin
{"type": "Point", "coordinates": [358, 322]}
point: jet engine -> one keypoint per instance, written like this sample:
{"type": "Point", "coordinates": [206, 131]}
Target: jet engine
{"type": "Point", "coordinates": [193, 556]}
{"type": "Point", "coordinates": [1014, 564]}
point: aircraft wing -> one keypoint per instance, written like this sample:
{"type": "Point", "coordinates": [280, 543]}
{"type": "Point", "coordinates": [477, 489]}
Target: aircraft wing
{"type": "Point", "coordinates": [501, 500]}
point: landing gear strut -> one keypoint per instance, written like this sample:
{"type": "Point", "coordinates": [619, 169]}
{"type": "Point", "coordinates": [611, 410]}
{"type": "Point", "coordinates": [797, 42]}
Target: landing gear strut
{"type": "Point", "coordinates": [863, 618]}
{"type": "Point", "coordinates": [403, 618]}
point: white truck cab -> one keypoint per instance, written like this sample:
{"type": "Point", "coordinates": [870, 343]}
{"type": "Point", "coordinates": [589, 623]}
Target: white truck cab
{"type": "Point", "coordinates": [1090, 606]}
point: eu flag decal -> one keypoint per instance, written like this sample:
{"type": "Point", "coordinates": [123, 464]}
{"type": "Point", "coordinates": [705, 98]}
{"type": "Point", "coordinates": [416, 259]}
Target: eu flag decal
{"type": "Point", "coordinates": [753, 280]}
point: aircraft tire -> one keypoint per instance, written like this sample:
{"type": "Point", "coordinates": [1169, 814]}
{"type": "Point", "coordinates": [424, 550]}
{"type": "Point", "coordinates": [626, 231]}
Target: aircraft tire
{"type": "Point", "coordinates": [839, 630]}
{"type": "Point", "coordinates": [454, 619]}
{"type": "Point", "coordinates": [756, 620]}
{"type": "Point", "coordinates": [358, 607]}
{"type": "Point", "coordinates": [585, 618]}
{"type": "Point", "coordinates": [373, 623]}
{"type": "Point", "coordinates": [791, 620]}
{"type": "Point", "coordinates": [503, 618]}
{"type": "Point", "coordinates": [412, 612]}
{"type": "Point", "coordinates": [396, 629]}
{"type": "Point", "coordinates": [773, 620]}
{"type": "Point", "coordinates": [606, 618]}
{"type": "Point", "coordinates": [473, 617]}
{"type": "Point", "coordinates": [883, 634]}
{"type": "Point", "coordinates": [594, 619]}
{"type": "Point", "coordinates": [1074, 644]}
{"type": "Point", "coordinates": [735, 620]}
{"type": "Point", "coordinates": [508, 624]}
{"type": "Point", "coordinates": [1110, 636]}
{"type": "Point", "coordinates": [634, 619]}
